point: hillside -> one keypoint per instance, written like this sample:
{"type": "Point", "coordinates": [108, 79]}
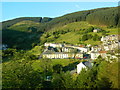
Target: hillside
{"type": "Point", "coordinates": [26, 26]}
{"type": "Point", "coordinates": [105, 17]}
{"type": "Point", "coordinates": [108, 17]}
{"type": "Point", "coordinates": [6, 24]}
{"type": "Point", "coordinates": [71, 25]}
{"type": "Point", "coordinates": [21, 35]}
{"type": "Point", "coordinates": [73, 32]}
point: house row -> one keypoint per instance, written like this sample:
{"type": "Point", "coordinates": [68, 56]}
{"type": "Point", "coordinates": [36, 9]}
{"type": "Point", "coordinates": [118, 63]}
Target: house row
{"type": "Point", "coordinates": [82, 49]}
{"type": "Point", "coordinates": [67, 51]}
{"type": "Point", "coordinates": [53, 45]}
{"type": "Point", "coordinates": [67, 48]}
{"type": "Point", "coordinates": [61, 55]}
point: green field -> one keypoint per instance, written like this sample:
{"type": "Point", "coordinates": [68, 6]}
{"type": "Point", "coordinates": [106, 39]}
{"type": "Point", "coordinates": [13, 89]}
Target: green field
{"type": "Point", "coordinates": [70, 37]}
{"type": "Point", "coordinates": [64, 62]}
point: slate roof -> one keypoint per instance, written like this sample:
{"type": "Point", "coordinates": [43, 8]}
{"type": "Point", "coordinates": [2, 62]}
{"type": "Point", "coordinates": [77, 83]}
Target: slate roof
{"type": "Point", "coordinates": [87, 64]}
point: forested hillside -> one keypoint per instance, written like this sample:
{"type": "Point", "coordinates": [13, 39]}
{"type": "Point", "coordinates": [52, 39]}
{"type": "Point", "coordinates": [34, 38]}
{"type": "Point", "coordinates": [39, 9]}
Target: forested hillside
{"type": "Point", "coordinates": [109, 17]}
{"type": "Point", "coordinates": [9, 23]}
{"type": "Point", "coordinates": [105, 16]}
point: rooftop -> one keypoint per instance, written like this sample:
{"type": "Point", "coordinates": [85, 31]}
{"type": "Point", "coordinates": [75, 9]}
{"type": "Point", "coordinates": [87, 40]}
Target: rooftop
{"type": "Point", "coordinates": [102, 51]}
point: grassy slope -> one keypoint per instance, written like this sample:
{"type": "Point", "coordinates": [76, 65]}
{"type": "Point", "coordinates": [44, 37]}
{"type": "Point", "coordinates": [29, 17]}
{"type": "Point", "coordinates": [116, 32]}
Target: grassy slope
{"type": "Point", "coordinates": [75, 28]}
{"type": "Point", "coordinates": [64, 62]}
{"type": "Point", "coordinates": [23, 25]}
{"type": "Point", "coordinates": [69, 37]}
{"type": "Point", "coordinates": [36, 64]}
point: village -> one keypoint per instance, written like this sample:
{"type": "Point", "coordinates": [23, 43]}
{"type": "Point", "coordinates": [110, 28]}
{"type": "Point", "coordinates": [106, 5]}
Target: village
{"type": "Point", "coordinates": [88, 52]}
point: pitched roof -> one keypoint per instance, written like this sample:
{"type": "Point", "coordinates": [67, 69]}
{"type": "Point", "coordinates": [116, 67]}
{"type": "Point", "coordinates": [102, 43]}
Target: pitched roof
{"type": "Point", "coordinates": [102, 51]}
{"type": "Point", "coordinates": [87, 64]}
{"type": "Point", "coordinates": [81, 46]}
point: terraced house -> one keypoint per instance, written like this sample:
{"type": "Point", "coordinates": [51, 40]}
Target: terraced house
{"type": "Point", "coordinates": [63, 51]}
{"type": "Point", "coordinates": [61, 55]}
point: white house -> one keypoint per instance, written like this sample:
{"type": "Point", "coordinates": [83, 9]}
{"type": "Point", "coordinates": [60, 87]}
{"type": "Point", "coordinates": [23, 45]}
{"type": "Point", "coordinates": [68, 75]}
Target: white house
{"type": "Point", "coordinates": [103, 38]}
{"type": "Point", "coordinates": [80, 66]}
{"type": "Point", "coordinates": [83, 65]}
{"type": "Point", "coordinates": [96, 30]}
{"type": "Point", "coordinates": [94, 55]}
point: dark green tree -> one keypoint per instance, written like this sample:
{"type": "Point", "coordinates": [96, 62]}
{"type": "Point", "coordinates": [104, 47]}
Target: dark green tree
{"type": "Point", "coordinates": [104, 83]}
{"type": "Point", "coordinates": [96, 37]}
{"type": "Point", "coordinates": [84, 37]}
{"type": "Point", "coordinates": [57, 68]}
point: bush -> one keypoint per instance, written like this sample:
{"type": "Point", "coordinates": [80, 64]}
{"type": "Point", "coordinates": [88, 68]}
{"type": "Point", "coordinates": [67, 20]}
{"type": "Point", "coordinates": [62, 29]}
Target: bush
{"type": "Point", "coordinates": [96, 37]}
{"type": "Point", "coordinates": [90, 29]}
{"type": "Point", "coordinates": [8, 52]}
{"type": "Point", "coordinates": [84, 37]}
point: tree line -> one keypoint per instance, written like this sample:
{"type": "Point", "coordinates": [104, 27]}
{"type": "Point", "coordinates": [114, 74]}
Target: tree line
{"type": "Point", "coordinates": [102, 16]}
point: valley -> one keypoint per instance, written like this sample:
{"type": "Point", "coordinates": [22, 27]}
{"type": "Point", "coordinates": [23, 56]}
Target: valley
{"type": "Point", "coordinates": [71, 51]}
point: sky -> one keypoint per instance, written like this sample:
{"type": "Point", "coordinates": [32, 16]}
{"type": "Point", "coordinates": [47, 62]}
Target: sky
{"type": "Point", "coordinates": [11, 10]}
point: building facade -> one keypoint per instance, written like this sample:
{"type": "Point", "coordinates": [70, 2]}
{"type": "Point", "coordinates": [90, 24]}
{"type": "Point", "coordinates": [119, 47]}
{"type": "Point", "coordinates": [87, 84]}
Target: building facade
{"type": "Point", "coordinates": [61, 55]}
